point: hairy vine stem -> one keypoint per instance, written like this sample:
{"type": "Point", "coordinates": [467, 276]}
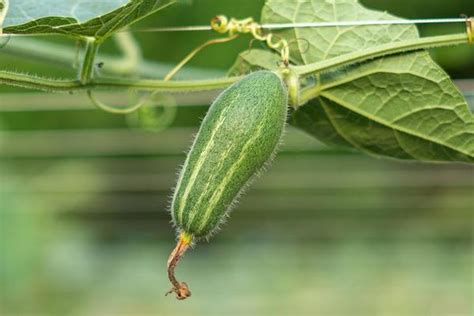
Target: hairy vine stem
{"type": "Point", "coordinates": [55, 85]}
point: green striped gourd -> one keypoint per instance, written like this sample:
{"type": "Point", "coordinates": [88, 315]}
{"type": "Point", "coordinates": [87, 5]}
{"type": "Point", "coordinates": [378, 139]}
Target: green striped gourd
{"type": "Point", "coordinates": [237, 138]}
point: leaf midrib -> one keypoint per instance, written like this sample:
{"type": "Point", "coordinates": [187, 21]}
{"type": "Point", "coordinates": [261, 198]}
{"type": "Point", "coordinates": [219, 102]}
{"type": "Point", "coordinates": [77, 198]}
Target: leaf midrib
{"type": "Point", "coordinates": [329, 96]}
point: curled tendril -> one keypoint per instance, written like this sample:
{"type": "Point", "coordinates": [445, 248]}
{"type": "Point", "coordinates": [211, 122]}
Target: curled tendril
{"type": "Point", "coordinates": [233, 26]}
{"type": "Point", "coordinates": [115, 110]}
{"type": "Point", "coordinates": [222, 25]}
{"type": "Point", "coordinates": [154, 118]}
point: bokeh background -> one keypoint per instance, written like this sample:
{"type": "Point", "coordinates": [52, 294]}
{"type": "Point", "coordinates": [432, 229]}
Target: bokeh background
{"type": "Point", "coordinates": [84, 228]}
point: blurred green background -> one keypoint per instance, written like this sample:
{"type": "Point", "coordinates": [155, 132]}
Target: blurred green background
{"type": "Point", "coordinates": [84, 228]}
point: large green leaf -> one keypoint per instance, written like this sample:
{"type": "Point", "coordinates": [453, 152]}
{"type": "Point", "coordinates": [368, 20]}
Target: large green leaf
{"type": "Point", "coordinates": [402, 106]}
{"type": "Point", "coordinates": [77, 17]}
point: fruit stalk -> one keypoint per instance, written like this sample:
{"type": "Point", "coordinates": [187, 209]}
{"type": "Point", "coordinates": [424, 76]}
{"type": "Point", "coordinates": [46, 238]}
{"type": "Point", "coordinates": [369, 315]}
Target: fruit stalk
{"type": "Point", "coordinates": [179, 288]}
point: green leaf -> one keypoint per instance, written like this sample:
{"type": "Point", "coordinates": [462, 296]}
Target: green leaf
{"type": "Point", "coordinates": [97, 19]}
{"type": "Point", "coordinates": [402, 106]}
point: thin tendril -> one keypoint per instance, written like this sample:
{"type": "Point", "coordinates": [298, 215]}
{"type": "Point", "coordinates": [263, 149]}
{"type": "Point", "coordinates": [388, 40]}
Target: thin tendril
{"type": "Point", "coordinates": [195, 51]}
{"type": "Point", "coordinates": [115, 110]}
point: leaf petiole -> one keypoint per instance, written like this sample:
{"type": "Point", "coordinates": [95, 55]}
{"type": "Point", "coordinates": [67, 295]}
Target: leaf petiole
{"type": "Point", "coordinates": [379, 51]}
{"type": "Point", "coordinates": [87, 68]}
